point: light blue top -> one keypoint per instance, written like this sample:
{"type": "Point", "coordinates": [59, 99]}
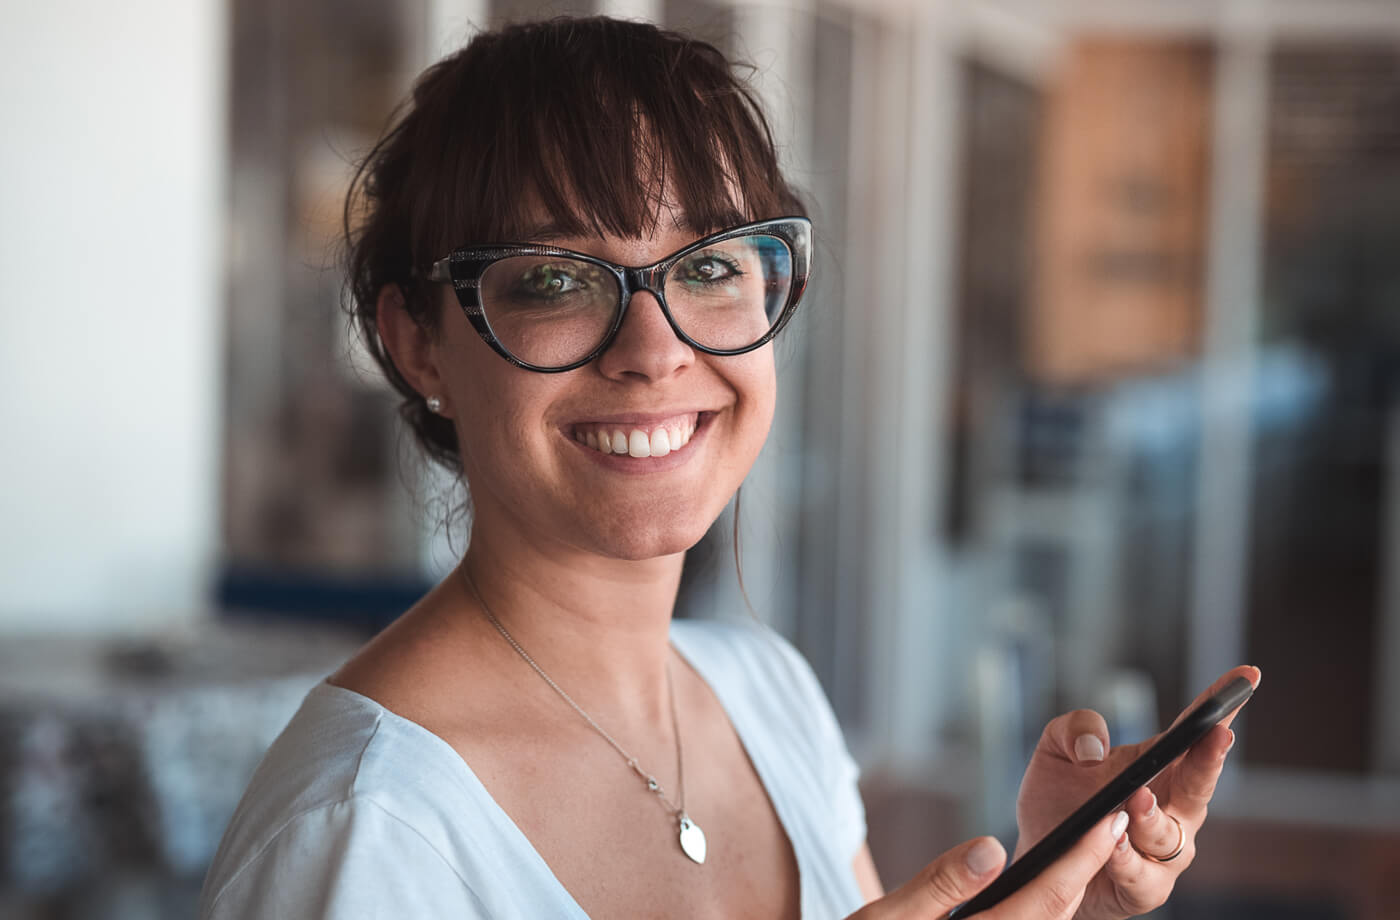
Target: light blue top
{"type": "Point", "coordinates": [356, 812]}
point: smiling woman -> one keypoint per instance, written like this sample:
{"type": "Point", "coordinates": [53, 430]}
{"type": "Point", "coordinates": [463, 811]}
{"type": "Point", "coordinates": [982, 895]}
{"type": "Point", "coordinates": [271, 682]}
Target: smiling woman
{"type": "Point", "coordinates": [570, 256]}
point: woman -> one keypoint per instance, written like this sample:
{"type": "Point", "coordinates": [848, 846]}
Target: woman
{"type": "Point", "coordinates": [536, 737]}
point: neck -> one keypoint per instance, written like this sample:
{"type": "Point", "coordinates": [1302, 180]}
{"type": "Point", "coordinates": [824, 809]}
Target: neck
{"type": "Point", "coordinates": [599, 627]}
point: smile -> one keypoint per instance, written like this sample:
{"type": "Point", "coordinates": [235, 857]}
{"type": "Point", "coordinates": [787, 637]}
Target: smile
{"type": "Point", "coordinates": [639, 440]}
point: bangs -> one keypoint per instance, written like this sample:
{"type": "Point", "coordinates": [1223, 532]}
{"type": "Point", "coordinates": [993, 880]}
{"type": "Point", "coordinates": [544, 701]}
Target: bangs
{"type": "Point", "coordinates": [594, 128]}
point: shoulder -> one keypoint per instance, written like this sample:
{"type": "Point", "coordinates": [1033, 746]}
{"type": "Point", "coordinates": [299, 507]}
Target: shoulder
{"type": "Point", "coordinates": [346, 782]}
{"type": "Point", "coordinates": [752, 667]}
{"type": "Point", "coordinates": [751, 648]}
{"type": "Point", "coordinates": [734, 649]}
{"type": "Point", "coordinates": [339, 745]}
{"type": "Point", "coordinates": [341, 859]}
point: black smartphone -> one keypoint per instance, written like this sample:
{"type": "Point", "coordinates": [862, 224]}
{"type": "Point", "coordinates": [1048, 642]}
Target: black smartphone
{"type": "Point", "coordinates": [1112, 796]}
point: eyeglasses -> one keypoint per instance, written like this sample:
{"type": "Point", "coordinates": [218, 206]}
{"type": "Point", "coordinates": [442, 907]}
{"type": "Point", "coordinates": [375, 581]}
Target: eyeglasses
{"type": "Point", "coordinates": [548, 309]}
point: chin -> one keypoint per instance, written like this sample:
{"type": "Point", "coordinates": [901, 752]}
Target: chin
{"type": "Point", "coordinates": [636, 544]}
{"type": "Point", "coordinates": [638, 550]}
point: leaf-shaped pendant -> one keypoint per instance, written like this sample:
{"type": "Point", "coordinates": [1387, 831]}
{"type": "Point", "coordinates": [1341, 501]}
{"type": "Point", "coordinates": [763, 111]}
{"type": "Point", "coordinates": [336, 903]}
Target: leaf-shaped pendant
{"type": "Point", "coordinates": [692, 839]}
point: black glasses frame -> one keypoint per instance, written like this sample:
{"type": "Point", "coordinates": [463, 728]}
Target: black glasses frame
{"type": "Point", "coordinates": [464, 267]}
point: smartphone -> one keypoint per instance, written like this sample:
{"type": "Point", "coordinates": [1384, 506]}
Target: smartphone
{"type": "Point", "coordinates": [1111, 797]}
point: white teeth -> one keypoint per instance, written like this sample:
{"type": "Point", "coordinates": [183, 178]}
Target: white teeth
{"type": "Point", "coordinates": [638, 442]}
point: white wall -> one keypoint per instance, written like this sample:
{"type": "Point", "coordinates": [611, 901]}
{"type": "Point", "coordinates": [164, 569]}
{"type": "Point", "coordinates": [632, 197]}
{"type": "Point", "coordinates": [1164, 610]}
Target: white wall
{"type": "Point", "coordinates": [113, 118]}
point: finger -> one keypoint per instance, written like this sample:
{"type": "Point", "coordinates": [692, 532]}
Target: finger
{"type": "Point", "coordinates": [943, 884]}
{"type": "Point", "coordinates": [1079, 737]}
{"type": "Point", "coordinates": [1057, 891]}
{"type": "Point", "coordinates": [1138, 884]}
{"type": "Point", "coordinates": [1192, 783]}
{"type": "Point", "coordinates": [1151, 831]}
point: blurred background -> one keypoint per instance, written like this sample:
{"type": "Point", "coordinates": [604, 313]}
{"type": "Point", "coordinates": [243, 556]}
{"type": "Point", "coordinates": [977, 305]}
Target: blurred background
{"type": "Point", "coordinates": [1096, 394]}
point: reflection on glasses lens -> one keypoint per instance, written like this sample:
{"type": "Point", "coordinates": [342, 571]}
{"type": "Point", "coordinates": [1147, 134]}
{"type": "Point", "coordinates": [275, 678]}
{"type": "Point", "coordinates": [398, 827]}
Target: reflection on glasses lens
{"type": "Point", "coordinates": [730, 294]}
{"type": "Point", "coordinates": [553, 311]}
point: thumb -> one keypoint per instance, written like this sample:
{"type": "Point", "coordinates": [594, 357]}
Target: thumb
{"type": "Point", "coordinates": [941, 885]}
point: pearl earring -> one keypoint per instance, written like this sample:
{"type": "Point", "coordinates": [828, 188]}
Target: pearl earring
{"type": "Point", "coordinates": [435, 405]}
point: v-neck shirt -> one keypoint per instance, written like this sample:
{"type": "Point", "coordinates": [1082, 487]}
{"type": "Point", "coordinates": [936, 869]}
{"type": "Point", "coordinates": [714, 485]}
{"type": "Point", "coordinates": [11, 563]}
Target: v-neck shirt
{"type": "Point", "coordinates": [356, 812]}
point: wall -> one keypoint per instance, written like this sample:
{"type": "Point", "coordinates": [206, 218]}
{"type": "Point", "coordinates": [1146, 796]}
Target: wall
{"type": "Point", "coordinates": [110, 237]}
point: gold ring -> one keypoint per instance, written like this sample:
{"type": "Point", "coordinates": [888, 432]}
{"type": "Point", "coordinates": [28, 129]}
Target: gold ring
{"type": "Point", "coordinates": [1180, 843]}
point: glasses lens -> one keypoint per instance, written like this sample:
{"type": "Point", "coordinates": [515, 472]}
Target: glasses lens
{"type": "Point", "coordinates": [549, 311]}
{"type": "Point", "coordinates": [730, 294]}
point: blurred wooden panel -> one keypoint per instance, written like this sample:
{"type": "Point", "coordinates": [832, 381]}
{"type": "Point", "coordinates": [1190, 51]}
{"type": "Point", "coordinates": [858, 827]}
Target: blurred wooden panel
{"type": "Point", "coordinates": [1121, 211]}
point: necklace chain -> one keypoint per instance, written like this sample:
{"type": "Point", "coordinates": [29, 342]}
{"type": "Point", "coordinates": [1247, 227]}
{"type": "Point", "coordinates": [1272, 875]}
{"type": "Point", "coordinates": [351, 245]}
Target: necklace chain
{"type": "Point", "coordinates": [676, 810]}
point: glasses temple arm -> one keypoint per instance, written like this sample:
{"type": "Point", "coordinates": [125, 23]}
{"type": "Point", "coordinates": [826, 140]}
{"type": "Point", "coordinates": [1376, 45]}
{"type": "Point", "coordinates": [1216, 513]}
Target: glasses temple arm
{"type": "Point", "coordinates": [440, 270]}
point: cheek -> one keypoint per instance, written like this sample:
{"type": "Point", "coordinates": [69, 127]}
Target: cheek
{"type": "Point", "coordinates": [497, 409]}
{"type": "Point", "coordinates": [756, 382]}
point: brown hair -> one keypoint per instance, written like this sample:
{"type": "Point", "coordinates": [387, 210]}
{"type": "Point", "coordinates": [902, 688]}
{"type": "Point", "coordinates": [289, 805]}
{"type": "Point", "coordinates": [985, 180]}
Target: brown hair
{"type": "Point", "coordinates": [594, 120]}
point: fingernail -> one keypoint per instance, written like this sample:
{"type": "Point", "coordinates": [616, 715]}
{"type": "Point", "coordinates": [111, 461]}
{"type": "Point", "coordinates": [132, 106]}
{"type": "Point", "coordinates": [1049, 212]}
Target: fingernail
{"type": "Point", "coordinates": [1231, 744]}
{"type": "Point", "coordinates": [1123, 843]}
{"type": "Point", "coordinates": [1088, 748]}
{"type": "Point", "coordinates": [984, 856]}
{"type": "Point", "coordinates": [1120, 824]}
{"type": "Point", "coordinates": [1151, 809]}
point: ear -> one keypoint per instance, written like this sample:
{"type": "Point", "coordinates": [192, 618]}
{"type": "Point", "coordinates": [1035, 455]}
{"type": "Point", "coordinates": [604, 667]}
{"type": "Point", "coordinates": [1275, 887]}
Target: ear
{"type": "Point", "coordinates": [411, 347]}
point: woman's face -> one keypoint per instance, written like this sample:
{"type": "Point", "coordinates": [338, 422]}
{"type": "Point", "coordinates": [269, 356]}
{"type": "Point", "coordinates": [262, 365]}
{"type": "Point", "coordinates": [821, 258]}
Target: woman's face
{"type": "Point", "coordinates": [539, 451]}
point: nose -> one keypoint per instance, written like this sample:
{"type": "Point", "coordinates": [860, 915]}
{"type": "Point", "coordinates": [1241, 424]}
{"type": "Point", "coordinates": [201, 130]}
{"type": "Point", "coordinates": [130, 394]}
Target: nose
{"type": "Point", "coordinates": [646, 347]}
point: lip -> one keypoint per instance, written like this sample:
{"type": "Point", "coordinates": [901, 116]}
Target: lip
{"type": "Point", "coordinates": [625, 464]}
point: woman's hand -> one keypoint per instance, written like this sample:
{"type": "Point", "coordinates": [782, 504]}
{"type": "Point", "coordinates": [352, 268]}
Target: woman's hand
{"type": "Point", "coordinates": [1074, 759]}
{"type": "Point", "coordinates": [960, 873]}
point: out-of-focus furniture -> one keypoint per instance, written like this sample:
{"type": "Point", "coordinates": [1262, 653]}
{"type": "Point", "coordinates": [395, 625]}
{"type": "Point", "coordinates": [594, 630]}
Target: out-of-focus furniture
{"type": "Point", "coordinates": [121, 760]}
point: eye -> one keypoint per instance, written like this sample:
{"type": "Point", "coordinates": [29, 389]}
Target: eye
{"type": "Point", "coordinates": [709, 268]}
{"type": "Point", "coordinates": [552, 280]}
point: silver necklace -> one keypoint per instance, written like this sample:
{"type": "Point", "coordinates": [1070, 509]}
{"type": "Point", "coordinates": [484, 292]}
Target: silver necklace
{"type": "Point", "coordinates": [692, 838]}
